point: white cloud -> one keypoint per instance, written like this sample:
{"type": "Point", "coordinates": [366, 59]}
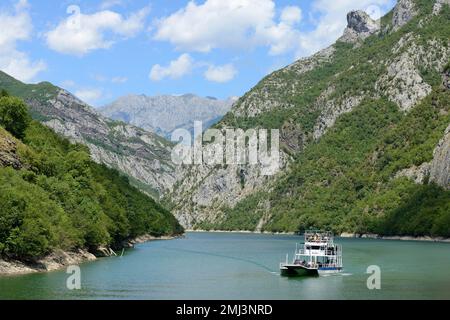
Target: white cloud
{"type": "Point", "coordinates": [221, 74]}
{"type": "Point", "coordinates": [119, 80]}
{"type": "Point", "coordinates": [81, 33]}
{"type": "Point", "coordinates": [291, 15]}
{"type": "Point", "coordinates": [68, 84]}
{"type": "Point", "coordinates": [230, 24]}
{"type": "Point", "coordinates": [91, 96]}
{"type": "Point", "coordinates": [175, 70]}
{"type": "Point", "coordinates": [244, 24]}
{"type": "Point", "coordinates": [102, 78]}
{"type": "Point", "coordinates": [17, 26]}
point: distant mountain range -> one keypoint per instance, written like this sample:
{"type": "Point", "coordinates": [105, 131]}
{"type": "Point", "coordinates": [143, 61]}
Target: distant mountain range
{"type": "Point", "coordinates": [166, 113]}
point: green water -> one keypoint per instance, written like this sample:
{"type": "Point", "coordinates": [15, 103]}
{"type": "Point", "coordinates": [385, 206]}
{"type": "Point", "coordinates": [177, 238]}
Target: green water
{"type": "Point", "coordinates": [245, 266]}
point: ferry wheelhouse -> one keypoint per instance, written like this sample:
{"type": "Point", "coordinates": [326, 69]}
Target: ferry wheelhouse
{"type": "Point", "coordinates": [317, 255]}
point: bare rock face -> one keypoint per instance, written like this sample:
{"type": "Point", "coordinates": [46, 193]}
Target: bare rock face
{"type": "Point", "coordinates": [440, 166]}
{"type": "Point", "coordinates": [332, 111]}
{"type": "Point", "coordinates": [446, 79]}
{"type": "Point", "coordinates": [404, 11]}
{"type": "Point", "coordinates": [360, 26]}
{"type": "Point", "coordinates": [8, 151]}
{"type": "Point", "coordinates": [437, 171]}
{"type": "Point", "coordinates": [403, 82]}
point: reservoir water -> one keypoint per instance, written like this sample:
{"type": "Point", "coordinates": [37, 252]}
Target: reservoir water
{"type": "Point", "coordinates": [245, 266]}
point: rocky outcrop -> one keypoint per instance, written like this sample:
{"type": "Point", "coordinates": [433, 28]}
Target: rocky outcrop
{"type": "Point", "coordinates": [8, 151]}
{"type": "Point", "coordinates": [57, 260]}
{"type": "Point", "coordinates": [419, 174]}
{"type": "Point", "coordinates": [440, 166]}
{"type": "Point", "coordinates": [403, 82]}
{"type": "Point", "coordinates": [164, 114]}
{"type": "Point", "coordinates": [446, 79]}
{"type": "Point", "coordinates": [206, 190]}
{"type": "Point", "coordinates": [404, 11]}
{"type": "Point", "coordinates": [436, 171]}
{"type": "Point", "coordinates": [359, 26]}
{"type": "Point", "coordinates": [332, 111]}
{"type": "Point", "coordinates": [439, 5]}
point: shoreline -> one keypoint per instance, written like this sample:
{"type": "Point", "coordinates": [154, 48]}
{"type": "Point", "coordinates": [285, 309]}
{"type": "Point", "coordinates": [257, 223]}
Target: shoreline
{"type": "Point", "coordinates": [395, 238]}
{"type": "Point", "coordinates": [60, 259]}
{"type": "Point", "coordinates": [342, 235]}
{"type": "Point", "coordinates": [241, 231]}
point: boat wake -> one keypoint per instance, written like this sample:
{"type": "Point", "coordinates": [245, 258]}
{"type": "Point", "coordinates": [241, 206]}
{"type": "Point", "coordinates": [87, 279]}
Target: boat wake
{"type": "Point", "coordinates": [225, 257]}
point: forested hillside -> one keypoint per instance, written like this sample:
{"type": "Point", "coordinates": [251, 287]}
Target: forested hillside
{"type": "Point", "coordinates": [53, 196]}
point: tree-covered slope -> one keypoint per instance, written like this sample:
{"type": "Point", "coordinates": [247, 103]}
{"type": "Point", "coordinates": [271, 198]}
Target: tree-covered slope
{"type": "Point", "coordinates": [362, 128]}
{"type": "Point", "coordinates": [53, 196]}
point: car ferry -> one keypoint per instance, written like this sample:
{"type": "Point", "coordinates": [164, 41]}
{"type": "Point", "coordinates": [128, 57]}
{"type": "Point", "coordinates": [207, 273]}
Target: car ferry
{"type": "Point", "coordinates": [317, 255]}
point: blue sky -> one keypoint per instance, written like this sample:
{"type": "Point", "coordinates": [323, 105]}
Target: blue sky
{"type": "Point", "coordinates": [104, 49]}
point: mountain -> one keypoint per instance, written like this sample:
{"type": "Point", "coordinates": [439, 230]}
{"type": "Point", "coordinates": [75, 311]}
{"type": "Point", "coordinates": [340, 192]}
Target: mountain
{"type": "Point", "coordinates": [143, 156]}
{"type": "Point", "coordinates": [54, 197]}
{"type": "Point", "coordinates": [364, 137]}
{"type": "Point", "coordinates": [164, 114]}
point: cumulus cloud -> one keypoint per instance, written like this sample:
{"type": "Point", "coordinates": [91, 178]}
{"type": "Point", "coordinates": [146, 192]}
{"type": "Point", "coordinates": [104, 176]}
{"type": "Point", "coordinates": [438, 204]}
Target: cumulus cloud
{"type": "Point", "coordinates": [115, 80]}
{"type": "Point", "coordinates": [244, 24]}
{"type": "Point", "coordinates": [81, 33]}
{"type": "Point", "coordinates": [220, 74]}
{"type": "Point", "coordinates": [230, 24]}
{"type": "Point", "coordinates": [175, 70]}
{"type": "Point", "coordinates": [17, 26]}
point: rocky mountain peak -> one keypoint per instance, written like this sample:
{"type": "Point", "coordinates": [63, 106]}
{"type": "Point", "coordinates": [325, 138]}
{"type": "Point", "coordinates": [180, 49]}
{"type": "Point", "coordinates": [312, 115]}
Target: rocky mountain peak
{"type": "Point", "coordinates": [359, 26]}
{"type": "Point", "coordinates": [361, 22]}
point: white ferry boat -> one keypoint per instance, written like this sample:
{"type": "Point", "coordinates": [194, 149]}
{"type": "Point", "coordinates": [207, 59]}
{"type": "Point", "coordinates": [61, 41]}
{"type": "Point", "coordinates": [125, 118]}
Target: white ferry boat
{"type": "Point", "coordinates": [317, 255]}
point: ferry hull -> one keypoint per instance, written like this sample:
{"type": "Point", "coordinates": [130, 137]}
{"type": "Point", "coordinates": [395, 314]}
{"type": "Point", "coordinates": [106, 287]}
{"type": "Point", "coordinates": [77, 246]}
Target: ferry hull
{"type": "Point", "coordinates": [298, 271]}
{"type": "Point", "coordinates": [329, 270]}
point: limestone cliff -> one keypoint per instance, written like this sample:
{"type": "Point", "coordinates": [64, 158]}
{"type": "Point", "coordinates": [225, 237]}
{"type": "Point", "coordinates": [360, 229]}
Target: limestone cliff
{"type": "Point", "coordinates": [440, 166]}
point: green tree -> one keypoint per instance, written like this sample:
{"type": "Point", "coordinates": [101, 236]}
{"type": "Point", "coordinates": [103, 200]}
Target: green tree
{"type": "Point", "coordinates": [4, 93]}
{"type": "Point", "coordinates": [14, 115]}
